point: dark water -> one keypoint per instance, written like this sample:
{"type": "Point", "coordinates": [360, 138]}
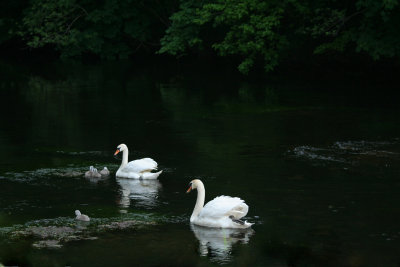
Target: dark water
{"type": "Point", "coordinates": [317, 165]}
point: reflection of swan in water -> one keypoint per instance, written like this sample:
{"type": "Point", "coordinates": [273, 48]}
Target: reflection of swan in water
{"type": "Point", "coordinates": [217, 243]}
{"type": "Point", "coordinates": [143, 192]}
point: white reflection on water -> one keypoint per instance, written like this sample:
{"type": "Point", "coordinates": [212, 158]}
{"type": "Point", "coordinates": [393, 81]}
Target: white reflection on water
{"type": "Point", "coordinates": [142, 192]}
{"type": "Point", "coordinates": [217, 243]}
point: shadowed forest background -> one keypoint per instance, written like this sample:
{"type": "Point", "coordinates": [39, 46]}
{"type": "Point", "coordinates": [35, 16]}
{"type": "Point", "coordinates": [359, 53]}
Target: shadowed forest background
{"type": "Point", "coordinates": [251, 35]}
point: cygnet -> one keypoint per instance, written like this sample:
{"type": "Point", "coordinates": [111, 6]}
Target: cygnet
{"type": "Point", "coordinates": [81, 217]}
{"type": "Point", "coordinates": [105, 172]}
{"type": "Point", "coordinates": [88, 174]}
{"type": "Point", "coordinates": [96, 174]}
{"type": "Point", "coordinates": [92, 173]}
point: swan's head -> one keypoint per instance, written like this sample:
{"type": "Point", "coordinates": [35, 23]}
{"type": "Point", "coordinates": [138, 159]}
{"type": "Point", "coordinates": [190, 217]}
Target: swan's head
{"type": "Point", "coordinates": [77, 213]}
{"type": "Point", "coordinates": [194, 184]}
{"type": "Point", "coordinates": [120, 148]}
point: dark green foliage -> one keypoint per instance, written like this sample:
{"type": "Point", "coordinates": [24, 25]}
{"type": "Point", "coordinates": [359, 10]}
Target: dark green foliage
{"type": "Point", "coordinates": [251, 30]}
{"type": "Point", "coordinates": [257, 29]}
{"type": "Point", "coordinates": [247, 28]}
{"type": "Point", "coordinates": [109, 28]}
{"type": "Point", "coordinates": [371, 26]}
{"type": "Point", "coordinates": [10, 15]}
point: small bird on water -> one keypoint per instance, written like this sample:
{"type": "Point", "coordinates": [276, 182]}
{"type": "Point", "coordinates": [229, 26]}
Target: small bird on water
{"type": "Point", "coordinates": [81, 217]}
{"type": "Point", "coordinates": [105, 172]}
{"type": "Point", "coordinates": [92, 173]}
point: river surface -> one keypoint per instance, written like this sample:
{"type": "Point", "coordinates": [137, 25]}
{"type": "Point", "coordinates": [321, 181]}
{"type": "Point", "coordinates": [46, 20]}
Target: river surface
{"type": "Point", "coordinates": [318, 163]}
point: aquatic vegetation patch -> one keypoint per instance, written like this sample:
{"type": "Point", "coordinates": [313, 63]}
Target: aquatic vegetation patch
{"type": "Point", "coordinates": [46, 232]}
{"type": "Point", "coordinates": [44, 175]}
{"type": "Point", "coordinates": [53, 233]}
{"type": "Point", "coordinates": [351, 153]}
{"type": "Point", "coordinates": [74, 153]}
{"type": "Point", "coordinates": [314, 153]}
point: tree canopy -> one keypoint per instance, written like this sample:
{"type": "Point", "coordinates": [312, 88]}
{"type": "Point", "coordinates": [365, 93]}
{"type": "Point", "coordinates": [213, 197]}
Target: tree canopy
{"type": "Point", "coordinates": [250, 30]}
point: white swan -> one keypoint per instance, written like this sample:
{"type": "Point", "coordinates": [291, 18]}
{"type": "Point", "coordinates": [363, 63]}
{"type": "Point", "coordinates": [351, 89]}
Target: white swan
{"type": "Point", "coordinates": [221, 212]}
{"type": "Point", "coordinates": [137, 169]}
{"type": "Point", "coordinates": [81, 217]}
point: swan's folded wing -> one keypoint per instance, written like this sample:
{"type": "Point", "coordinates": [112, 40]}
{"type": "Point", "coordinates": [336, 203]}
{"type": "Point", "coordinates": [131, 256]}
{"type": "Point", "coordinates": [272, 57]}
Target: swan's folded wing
{"type": "Point", "coordinates": [225, 206]}
{"type": "Point", "coordinates": [141, 165]}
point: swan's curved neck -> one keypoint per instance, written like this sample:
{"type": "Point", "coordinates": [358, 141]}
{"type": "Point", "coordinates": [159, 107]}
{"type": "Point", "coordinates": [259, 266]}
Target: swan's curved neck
{"type": "Point", "coordinates": [201, 193]}
{"type": "Point", "coordinates": [124, 157]}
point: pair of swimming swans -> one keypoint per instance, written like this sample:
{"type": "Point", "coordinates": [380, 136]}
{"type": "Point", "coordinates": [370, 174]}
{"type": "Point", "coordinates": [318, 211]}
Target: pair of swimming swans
{"type": "Point", "coordinates": [221, 212]}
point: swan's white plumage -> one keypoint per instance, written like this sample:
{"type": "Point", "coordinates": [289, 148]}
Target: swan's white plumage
{"type": "Point", "coordinates": [136, 169]}
{"type": "Point", "coordinates": [219, 212]}
{"type": "Point", "coordinates": [225, 206]}
{"type": "Point", "coordinates": [141, 165]}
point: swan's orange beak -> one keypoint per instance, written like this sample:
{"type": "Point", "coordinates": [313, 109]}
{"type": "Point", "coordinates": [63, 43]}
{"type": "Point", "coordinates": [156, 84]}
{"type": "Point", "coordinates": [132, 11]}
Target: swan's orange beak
{"type": "Point", "coordinates": [190, 189]}
{"type": "Point", "coordinates": [116, 152]}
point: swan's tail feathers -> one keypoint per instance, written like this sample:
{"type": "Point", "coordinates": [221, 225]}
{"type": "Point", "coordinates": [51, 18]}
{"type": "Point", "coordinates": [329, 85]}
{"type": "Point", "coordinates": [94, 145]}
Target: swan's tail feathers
{"type": "Point", "coordinates": [237, 214]}
{"type": "Point", "coordinates": [151, 175]}
{"type": "Point", "coordinates": [151, 163]}
{"type": "Point", "coordinates": [240, 223]}
{"type": "Point", "coordinates": [236, 220]}
{"type": "Point", "coordinates": [247, 224]}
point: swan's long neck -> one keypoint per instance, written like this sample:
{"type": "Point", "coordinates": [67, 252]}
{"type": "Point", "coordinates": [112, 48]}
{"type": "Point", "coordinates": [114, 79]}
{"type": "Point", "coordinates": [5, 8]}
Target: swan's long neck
{"type": "Point", "coordinates": [201, 193]}
{"type": "Point", "coordinates": [124, 157]}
